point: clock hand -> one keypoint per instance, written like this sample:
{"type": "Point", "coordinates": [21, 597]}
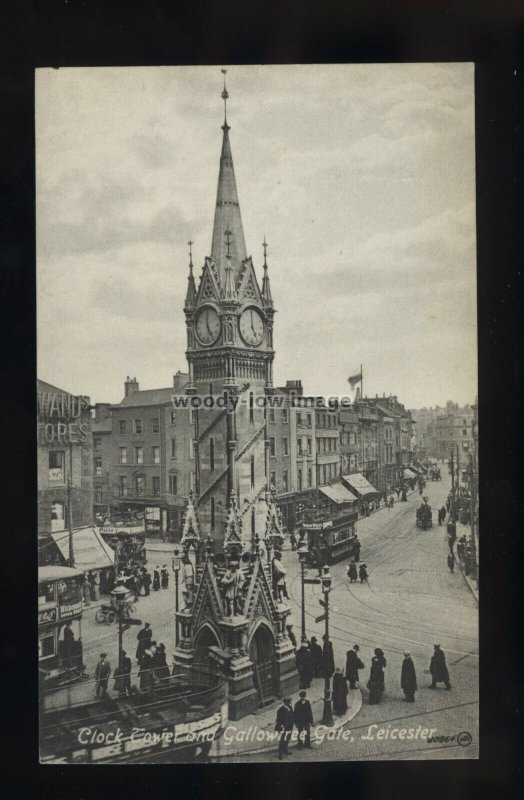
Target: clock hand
{"type": "Point", "coordinates": [207, 324]}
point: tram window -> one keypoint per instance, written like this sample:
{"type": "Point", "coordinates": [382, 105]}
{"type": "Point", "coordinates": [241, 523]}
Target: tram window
{"type": "Point", "coordinates": [46, 646]}
{"type": "Point", "coordinates": [46, 593]}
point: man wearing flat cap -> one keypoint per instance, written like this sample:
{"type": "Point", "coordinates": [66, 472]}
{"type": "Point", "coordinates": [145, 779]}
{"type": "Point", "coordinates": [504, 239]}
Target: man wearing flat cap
{"type": "Point", "coordinates": [303, 720]}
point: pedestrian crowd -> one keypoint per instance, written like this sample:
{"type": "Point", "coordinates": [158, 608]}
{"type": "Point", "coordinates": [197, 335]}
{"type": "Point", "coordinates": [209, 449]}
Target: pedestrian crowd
{"type": "Point", "coordinates": [314, 661]}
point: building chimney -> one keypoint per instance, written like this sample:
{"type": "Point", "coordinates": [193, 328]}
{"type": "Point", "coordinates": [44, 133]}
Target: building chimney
{"type": "Point", "coordinates": [130, 386]}
{"type": "Point", "coordinates": [180, 380]}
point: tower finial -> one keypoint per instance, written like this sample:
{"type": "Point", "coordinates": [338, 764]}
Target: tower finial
{"type": "Point", "coordinates": [225, 96]}
{"type": "Point", "coordinates": [190, 243]}
{"type": "Point", "coordinates": [264, 245]}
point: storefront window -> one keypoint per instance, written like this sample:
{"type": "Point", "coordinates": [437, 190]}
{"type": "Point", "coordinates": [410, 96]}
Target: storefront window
{"type": "Point", "coordinates": [57, 515]}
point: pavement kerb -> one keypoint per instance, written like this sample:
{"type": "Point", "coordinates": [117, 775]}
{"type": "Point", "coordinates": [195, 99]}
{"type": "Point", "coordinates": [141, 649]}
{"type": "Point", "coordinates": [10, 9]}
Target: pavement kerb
{"type": "Point", "coordinates": [220, 752]}
{"type": "Point", "coordinates": [469, 584]}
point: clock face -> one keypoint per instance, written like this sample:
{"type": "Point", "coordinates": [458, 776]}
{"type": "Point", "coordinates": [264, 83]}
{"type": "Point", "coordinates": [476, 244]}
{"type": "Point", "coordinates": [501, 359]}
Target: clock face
{"type": "Point", "coordinates": [207, 328]}
{"type": "Point", "coordinates": [251, 326]}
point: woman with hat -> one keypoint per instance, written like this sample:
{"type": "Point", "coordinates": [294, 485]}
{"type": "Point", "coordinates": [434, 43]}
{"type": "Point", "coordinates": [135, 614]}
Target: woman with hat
{"type": "Point", "coordinates": [408, 679]}
{"type": "Point", "coordinates": [340, 692]}
{"type": "Point", "coordinates": [376, 677]}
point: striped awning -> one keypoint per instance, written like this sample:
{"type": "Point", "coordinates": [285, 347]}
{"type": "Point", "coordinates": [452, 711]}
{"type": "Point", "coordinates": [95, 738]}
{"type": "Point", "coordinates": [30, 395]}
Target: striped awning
{"type": "Point", "coordinates": [338, 493]}
{"type": "Point", "coordinates": [359, 484]}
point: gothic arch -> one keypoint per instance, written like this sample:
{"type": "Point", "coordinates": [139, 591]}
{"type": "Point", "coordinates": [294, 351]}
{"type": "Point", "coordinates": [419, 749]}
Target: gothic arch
{"type": "Point", "coordinates": [204, 671]}
{"type": "Point", "coordinates": [261, 645]}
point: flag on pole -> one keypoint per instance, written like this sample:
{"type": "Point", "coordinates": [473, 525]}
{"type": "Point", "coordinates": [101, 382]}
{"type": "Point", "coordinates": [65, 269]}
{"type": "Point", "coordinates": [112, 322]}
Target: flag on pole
{"type": "Point", "coordinates": [355, 377]}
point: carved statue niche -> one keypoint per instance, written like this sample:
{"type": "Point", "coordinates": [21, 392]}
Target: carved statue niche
{"type": "Point", "coordinates": [231, 586]}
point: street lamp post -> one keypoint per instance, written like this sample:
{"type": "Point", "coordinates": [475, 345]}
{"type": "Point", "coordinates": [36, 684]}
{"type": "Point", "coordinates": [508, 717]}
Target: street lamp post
{"type": "Point", "coordinates": [303, 555]}
{"type": "Point", "coordinates": [327, 716]}
{"type": "Point", "coordinates": [176, 563]}
{"type": "Point", "coordinates": [120, 593]}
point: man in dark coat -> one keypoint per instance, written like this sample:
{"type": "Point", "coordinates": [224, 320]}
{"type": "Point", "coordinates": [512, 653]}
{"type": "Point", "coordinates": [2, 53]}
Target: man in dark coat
{"type": "Point", "coordinates": [438, 668]}
{"type": "Point", "coordinates": [146, 580]}
{"type": "Point", "coordinates": [353, 664]}
{"type": "Point", "coordinates": [451, 562]}
{"type": "Point", "coordinates": [328, 659]}
{"type": "Point", "coordinates": [408, 679]}
{"type": "Point", "coordinates": [144, 637]}
{"type": "Point", "coordinates": [123, 676]}
{"type": "Point", "coordinates": [303, 662]}
{"type": "Point", "coordinates": [352, 572]}
{"type": "Point", "coordinates": [102, 673]}
{"type": "Point", "coordinates": [376, 677]}
{"type": "Point", "coordinates": [316, 657]}
{"type": "Point", "coordinates": [164, 577]}
{"type": "Point", "coordinates": [284, 725]}
{"type": "Point", "coordinates": [303, 717]}
{"type": "Point", "coordinates": [156, 579]}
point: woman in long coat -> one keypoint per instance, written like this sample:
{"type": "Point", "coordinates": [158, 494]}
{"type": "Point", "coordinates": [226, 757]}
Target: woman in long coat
{"type": "Point", "coordinates": [145, 672]}
{"type": "Point", "coordinates": [160, 663]}
{"type": "Point", "coordinates": [408, 679]}
{"type": "Point", "coordinates": [340, 692]}
{"type": "Point", "coordinates": [376, 677]}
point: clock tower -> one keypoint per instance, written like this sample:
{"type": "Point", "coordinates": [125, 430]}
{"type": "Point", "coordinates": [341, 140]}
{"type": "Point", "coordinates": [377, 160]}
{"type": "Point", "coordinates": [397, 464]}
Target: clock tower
{"type": "Point", "coordinates": [229, 321]}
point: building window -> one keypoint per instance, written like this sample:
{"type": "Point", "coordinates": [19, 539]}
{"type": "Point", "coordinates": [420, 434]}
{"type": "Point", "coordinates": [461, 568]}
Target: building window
{"type": "Point", "coordinates": [156, 485]}
{"type": "Point", "coordinates": [308, 417]}
{"type": "Point", "coordinates": [97, 442]}
{"type": "Point", "coordinates": [156, 454]}
{"type": "Point", "coordinates": [173, 417]}
{"type": "Point", "coordinates": [272, 446]}
{"type": "Point", "coordinates": [98, 467]}
{"type": "Point", "coordinates": [46, 646]}
{"type": "Point", "coordinates": [318, 445]}
{"type": "Point", "coordinates": [57, 515]}
{"type": "Point", "coordinates": [140, 483]}
{"type": "Point", "coordinates": [123, 455]}
{"type": "Point", "coordinates": [464, 433]}
{"type": "Point", "coordinates": [138, 426]}
{"type": "Point", "coordinates": [299, 477]}
{"type": "Point", "coordinates": [285, 480]}
{"type": "Point", "coordinates": [212, 512]}
{"type": "Point", "coordinates": [309, 446]}
{"type": "Point", "coordinates": [155, 425]}
{"type": "Point", "coordinates": [273, 479]}
{"type": "Point", "coordinates": [56, 466]}
{"type": "Point", "coordinates": [310, 478]}
{"type": "Point", "coordinates": [173, 484]}
{"type": "Point", "coordinates": [173, 448]}
{"type": "Point", "coordinates": [252, 470]}
{"type": "Point", "coordinates": [122, 426]}
{"type": "Point", "coordinates": [98, 497]}
{"type": "Point", "coordinates": [284, 415]}
{"type": "Point", "coordinates": [123, 486]}
{"type": "Point", "coordinates": [271, 414]}
{"type": "Point", "coordinates": [139, 454]}
{"type": "Point", "coordinates": [285, 445]}
{"type": "Point", "coordinates": [299, 418]}
{"type": "Point", "coordinates": [211, 454]}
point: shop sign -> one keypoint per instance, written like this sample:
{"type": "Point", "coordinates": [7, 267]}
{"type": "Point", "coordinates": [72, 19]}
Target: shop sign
{"type": "Point", "coordinates": [70, 609]}
{"type": "Point", "coordinates": [46, 616]}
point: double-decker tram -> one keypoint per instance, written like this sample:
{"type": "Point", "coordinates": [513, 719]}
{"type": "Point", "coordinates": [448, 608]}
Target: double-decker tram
{"type": "Point", "coordinates": [60, 657]}
{"type": "Point", "coordinates": [329, 527]}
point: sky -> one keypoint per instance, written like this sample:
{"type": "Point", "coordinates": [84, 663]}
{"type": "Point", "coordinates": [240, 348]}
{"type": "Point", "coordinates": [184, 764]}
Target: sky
{"type": "Point", "coordinates": [361, 177]}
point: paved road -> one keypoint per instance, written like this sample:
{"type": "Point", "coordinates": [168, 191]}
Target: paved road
{"type": "Point", "coordinates": [410, 603]}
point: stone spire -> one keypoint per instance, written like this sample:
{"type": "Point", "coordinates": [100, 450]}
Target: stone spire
{"type": "Point", "coordinates": [227, 211]}
{"type": "Point", "coordinates": [191, 288]}
{"type": "Point", "coordinates": [190, 529]}
{"type": "Point", "coordinates": [266, 289]}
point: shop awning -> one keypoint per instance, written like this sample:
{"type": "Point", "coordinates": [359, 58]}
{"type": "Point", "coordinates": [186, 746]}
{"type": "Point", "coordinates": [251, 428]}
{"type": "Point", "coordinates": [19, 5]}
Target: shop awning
{"type": "Point", "coordinates": [410, 474]}
{"type": "Point", "coordinates": [359, 484]}
{"type": "Point", "coordinates": [338, 493]}
{"type": "Point", "coordinates": [55, 573]}
{"type": "Point", "coordinates": [90, 550]}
